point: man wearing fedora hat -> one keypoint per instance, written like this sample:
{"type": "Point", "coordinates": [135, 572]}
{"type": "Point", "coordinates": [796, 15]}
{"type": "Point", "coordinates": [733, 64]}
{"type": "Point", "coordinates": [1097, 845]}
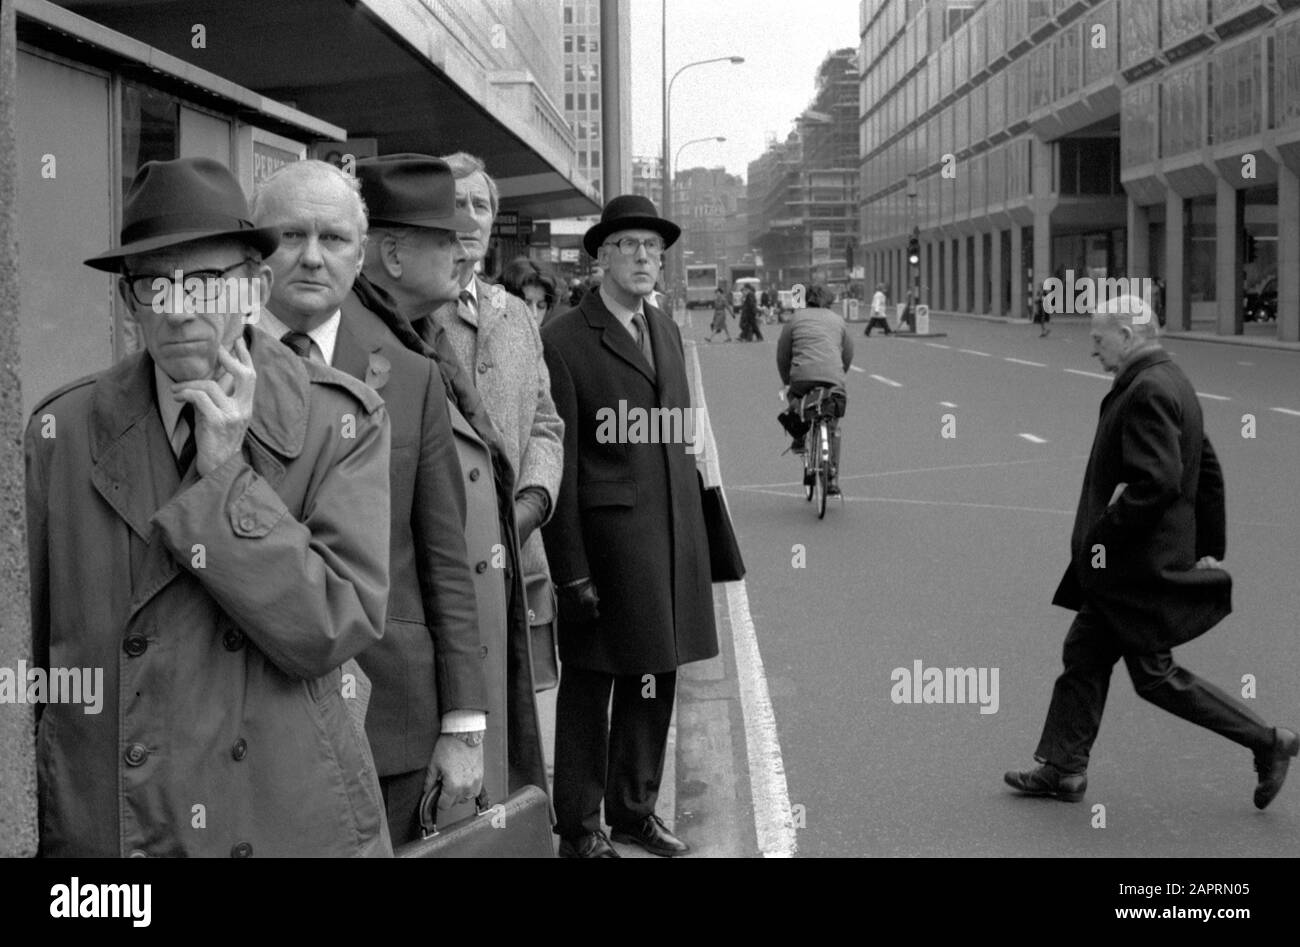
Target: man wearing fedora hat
{"type": "Point", "coordinates": [207, 523]}
{"type": "Point", "coordinates": [627, 543]}
{"type": "Point", "coordinates": [425, 719]}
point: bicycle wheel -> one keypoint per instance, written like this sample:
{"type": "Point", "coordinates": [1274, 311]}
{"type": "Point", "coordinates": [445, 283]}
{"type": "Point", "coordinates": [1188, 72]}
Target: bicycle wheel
{"type": "Point", "coordinates": [822, 448]}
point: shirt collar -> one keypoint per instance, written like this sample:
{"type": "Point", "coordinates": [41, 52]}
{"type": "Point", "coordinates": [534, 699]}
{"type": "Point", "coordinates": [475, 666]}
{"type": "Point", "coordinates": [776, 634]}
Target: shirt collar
{"type": "Point", "coordinates": [621, 312]}
{"type": "Point", "coordinates": [324, 336]}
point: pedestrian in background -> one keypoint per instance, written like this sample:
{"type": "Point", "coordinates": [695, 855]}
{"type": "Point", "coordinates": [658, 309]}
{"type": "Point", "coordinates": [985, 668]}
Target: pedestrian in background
{"type": "Point", "coordinates": [721, 310]}
{"type": "Point", "coordinates": [1145, 573]}
{"type": "Point", "coordinates": [524, 279]}
{"type": "Point", "coordinates": [878, 303]}
{"type": "Point", "coordinates": [749, 328]}
{"type": "Point", "coordinates": [1041, 316]}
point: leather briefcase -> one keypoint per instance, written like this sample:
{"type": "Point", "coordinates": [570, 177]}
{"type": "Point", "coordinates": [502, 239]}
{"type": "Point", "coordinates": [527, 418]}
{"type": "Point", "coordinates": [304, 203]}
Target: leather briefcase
{"type": "Point", "coordinates": [541, 626]}
{"type": "Point", "coordinates": [520, 827]}
{"type": "Point", "coordinates": [725, 561]}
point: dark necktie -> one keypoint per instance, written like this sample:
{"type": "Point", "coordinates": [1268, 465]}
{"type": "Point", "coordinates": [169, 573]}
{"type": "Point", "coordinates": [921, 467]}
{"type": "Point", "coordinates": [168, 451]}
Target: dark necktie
{"type": "Point", "coordinates": [190, 447]}
{"type": "Point", "coordinates": [467, 300]}
{"type": "Point", "coordinates": [300, 342]}
{"type": "Point", "coordinates": [643, 339]}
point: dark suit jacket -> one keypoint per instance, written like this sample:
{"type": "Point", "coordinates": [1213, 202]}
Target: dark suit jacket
{"type": "Point", "coordinates": [629, 514]}
{"type": "Point", "coordinates": [1171, 513]}
{"type": "Point", "coordinates": [490, 530]}
{"type": "Point", "coordinates": [430, 659]}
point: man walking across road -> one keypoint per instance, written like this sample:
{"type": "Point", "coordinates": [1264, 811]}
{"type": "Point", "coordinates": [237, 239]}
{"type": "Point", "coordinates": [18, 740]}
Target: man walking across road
{"type": "Point", "coordinates": [1145, 572]}
{"type": "Point", "coordinates": [627, 544]}
{"type": "Point", "coordinates": [877, 317]}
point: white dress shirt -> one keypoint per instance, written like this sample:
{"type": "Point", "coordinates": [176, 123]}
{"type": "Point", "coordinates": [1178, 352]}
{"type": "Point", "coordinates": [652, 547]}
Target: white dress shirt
{"type": "Point", "coordinates": [323, 337]}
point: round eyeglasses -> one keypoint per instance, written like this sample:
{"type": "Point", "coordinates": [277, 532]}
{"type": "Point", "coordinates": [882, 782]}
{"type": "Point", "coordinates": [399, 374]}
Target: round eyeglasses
{"type": "Point", "coordinates": [628, 246]}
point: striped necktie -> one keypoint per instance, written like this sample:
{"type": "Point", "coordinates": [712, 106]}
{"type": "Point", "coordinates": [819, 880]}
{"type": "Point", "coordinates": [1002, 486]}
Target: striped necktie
{"type": "Point", "coordinates": [643, 339]}
{"type": "Point", "coordinates": [189, 447]}
{"type": "Point", "coordinates": [300, 342]}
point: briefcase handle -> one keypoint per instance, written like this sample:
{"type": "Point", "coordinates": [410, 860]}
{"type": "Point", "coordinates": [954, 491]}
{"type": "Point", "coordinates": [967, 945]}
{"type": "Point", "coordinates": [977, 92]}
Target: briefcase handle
{"type": "Point", "coordinates": [429, 809]}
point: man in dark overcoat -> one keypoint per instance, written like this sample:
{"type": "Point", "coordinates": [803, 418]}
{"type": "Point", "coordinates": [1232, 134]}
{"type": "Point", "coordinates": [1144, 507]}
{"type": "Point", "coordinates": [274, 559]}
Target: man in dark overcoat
{"type": "Point", "coordinates": [1145, 573]}
{"type": "Point", "coordinates": [627, 544]}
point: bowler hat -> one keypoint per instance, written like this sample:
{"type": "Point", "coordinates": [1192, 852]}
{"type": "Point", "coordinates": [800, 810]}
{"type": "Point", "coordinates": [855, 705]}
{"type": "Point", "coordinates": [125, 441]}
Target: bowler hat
{"type": "Point", "coordinates": [629, 212]}
{"type": "Point", "coordinates": [408, 190]}
{"type": "Point", "coordinates": [173, 202]}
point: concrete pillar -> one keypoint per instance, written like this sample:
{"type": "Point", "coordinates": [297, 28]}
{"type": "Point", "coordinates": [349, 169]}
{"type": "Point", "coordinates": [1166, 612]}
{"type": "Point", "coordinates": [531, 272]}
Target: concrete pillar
{"type": "Point", "coordinates": [929, 262]}
{"type": "Point", "coordinates": [1139, 241]}
{"type": "Point", "coordinates": [954, 300]}
{"type": "Point", "coordinates": [981, 277]}
{"type": "Point", "coordinates": [1016, 308]}
{"type": "Point", "coordinates": [1177, 309]}
{"type": "Point", "coordinates": [17, 745]}
{"type": "Point", "coordinates": [998, 304]}
{"type": "Point", "coordinates": [1042, 247]}
{"type": "Point", "coordinates": [1288, 255]}
{"type": "Point", "coordinates": [963, 274]}
{"type": "Point", "coordinates": [1229, 224]}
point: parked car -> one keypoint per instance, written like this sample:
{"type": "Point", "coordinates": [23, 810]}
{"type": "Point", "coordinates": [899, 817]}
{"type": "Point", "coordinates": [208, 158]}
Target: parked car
{"type": "Point", "coordinates": [1261, 302]}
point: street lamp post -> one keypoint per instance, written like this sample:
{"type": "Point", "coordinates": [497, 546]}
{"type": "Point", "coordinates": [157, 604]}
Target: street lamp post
{"type": "Point", "coordinates": [667, 208]}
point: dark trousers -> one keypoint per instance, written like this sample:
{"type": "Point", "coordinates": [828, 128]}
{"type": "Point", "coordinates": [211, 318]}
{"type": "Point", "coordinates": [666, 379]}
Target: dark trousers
{"type": "Point", "coordinates": [402, 794]}
{"type": "Point", "coordinates": [1079, 697]}
{"type": "Point", "coordinates": [871, 324]}
{"type": "Point", "coordinates": [617, 756]}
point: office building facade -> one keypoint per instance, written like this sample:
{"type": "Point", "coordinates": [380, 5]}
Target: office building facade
{"type": "Point", "coordinates": [1026, 138]}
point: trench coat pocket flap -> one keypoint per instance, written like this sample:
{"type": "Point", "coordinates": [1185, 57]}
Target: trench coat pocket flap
{"type": "Point", "coordinates": [607, 493]}
{"type": "Point", "coordinates": [256, 512]}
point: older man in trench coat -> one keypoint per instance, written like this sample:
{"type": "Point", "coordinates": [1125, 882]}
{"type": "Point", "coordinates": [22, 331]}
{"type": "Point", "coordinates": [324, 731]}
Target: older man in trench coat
{"type": "Point", "coordinates": [1145, 572]}
{"type": "Point", "coordinates": [627, 544]}
{"type": "Point", "coordinates": [219, 566]}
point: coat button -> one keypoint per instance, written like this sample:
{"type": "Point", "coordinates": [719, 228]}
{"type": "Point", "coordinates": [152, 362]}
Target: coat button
{"type": "Point", "coordinates": [532, 617]}
{"type": "Point", "coordinates": [241, 850]}
{"type": "Point", "coordinates": [135, 645]}
{"type": "Point", "coordinates": [483, 651]}
{"type": "Point", "coordinates": [480, 568]}
{"type": "Point", "coordinates": [232, 639]}
{"type": "Point", "coordinates": [246, 523]}
{"type": "Point", "coordinates": [136, 853]}
{"type": "Point", "coordinates": [239, 750]}
{"type": "Point", "coordinates": [474, 474]}
{"type": "Point", "coordinates": [136, 754]}
{"type": "Point", "coordinates": [482, 368]}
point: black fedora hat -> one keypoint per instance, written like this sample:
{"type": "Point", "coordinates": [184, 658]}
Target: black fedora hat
{"type": "Point", "coordinates": [409, 190]}
{"type": "Point", "coordinates": [174, 202]}
{"type": "Point", "coordinates": [629, 212]}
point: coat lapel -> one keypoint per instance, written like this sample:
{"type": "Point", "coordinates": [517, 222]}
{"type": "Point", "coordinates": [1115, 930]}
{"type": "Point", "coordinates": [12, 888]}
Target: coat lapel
{"type": "Point", "coordinates": [614, 337]}
{"type": "Point", "coordinates": [490, 314]}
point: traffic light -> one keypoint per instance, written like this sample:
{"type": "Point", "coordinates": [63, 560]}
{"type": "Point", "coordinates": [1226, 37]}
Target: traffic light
{"type": "Point", "coordinates": [914, 251]}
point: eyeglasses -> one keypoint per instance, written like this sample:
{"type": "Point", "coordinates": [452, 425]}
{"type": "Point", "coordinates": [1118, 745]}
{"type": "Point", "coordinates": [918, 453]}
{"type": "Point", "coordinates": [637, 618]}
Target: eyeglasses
{"type": "Point", "coordinates": [628, 246]}
{"type": "Point", "coordinates": [146, 289]}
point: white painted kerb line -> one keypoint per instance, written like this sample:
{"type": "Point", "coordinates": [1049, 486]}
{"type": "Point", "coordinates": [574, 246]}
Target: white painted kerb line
{"type": "Point", "coordinates": [886, 381]}
{"type": "Point", "coordinates": [1033, 438]}
{"type": "Point", "coordinates": [773, 818]}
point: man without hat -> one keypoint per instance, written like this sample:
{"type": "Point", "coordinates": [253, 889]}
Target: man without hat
{"type": "Point", "coordinates": [627, 544]}
{"type": "Point", "coordinates": [208, 525]}
{"type": "Point", "coordinates": [426, 717]}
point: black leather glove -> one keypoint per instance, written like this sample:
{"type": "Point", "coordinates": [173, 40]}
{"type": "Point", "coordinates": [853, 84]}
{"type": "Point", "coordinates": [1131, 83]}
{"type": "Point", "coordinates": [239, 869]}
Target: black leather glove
{"type": "Point", "coordinates": [578, 601]}
{"type": "Point", "coordinates": [530, 509]}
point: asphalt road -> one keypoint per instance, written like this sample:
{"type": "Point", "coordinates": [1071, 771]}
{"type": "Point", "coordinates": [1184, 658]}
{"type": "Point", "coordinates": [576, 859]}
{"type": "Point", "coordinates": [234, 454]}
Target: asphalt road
{"type": "Point", "coordinates": [947, 551]}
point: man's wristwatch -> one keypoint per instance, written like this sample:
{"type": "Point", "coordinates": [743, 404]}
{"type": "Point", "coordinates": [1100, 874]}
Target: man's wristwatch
{"type": "Point", "coordinates": [468, 737]}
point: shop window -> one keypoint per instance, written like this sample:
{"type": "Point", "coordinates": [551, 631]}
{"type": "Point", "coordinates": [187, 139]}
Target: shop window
{"type": "Point", "coordinates": [150, 129]}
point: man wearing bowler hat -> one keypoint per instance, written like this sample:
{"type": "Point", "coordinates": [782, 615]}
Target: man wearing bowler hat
{"type": "Point", "coordinates": [627, 544]}
{"type": "Point", "coordinates": [426, 718]}
{"type": "Point", "coordinates": [207, 524]}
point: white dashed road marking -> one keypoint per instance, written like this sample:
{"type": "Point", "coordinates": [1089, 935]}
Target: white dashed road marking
{"type": "Point", "coordinates": [1021, 361]}
{"type": "Point", "coordinates": [1286, 411]}
{"type": "Point", "coordinates": [973, 352]}
{"type": "Point", "coordinates": [938, 345]}
{"type": "Point", "coordinates": [1075, 371]}
{"type": "Point", "coordinates": [947, 404]}
{"type": "Point", "coordinates": [856, 369]}
{"type": "Point", "coordinates": [1033, 438]}
{"type": "Point", "coordinates": [886, 381]}
{"type": "Point", "coordinates": [1202, 394]}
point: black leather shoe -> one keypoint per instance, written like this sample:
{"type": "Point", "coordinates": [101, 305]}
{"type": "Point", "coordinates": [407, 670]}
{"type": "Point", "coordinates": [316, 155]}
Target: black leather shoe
{"type": "Point", "coordinates": [1047, 780]}
{"type": "Point", "coordinates": [653, 836]}
{"type": "Point", "coordinates": [588, 845]}
{"type": "Point", "coordinates": [1272, 765]}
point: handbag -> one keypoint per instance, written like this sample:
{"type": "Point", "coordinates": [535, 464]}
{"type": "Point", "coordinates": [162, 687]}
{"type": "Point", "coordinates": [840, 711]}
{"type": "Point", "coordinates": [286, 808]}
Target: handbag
{"type": "Point", "coordinates": [541, 627]}
{"type": "Point", "coordinates": [520, 827]}
{"type": "Point", "coordinates": [725, 561]}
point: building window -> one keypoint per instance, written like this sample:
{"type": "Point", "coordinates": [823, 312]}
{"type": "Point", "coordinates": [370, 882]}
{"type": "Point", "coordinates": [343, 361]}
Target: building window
{"type": "Point", "coordinates": [568, 72]}
{"type": "Point", "coordinates": [595, 159]}
{"type": "Point", "coordinates": [582, 101]}
{"type": "Point", "coordinates": [568, 101]}
{"type": "Point", "coordinates": [568, 44]}
{"type": "Point", "coordinates": [582, 160]}
{"type": "Point", "coordinates": [594, 45]}
{"type": "Point", "coordinates": [581, 43]}
{"type": "Point", "coordinates": [595, 101]}
{"type": "Point", "coordinates": [568, 13]}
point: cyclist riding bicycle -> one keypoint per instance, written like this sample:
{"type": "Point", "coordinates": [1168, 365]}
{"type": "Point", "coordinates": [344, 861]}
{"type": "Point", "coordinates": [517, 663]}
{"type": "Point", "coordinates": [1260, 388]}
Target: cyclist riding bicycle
{"type": "Point", "coordinates": [815, 351]}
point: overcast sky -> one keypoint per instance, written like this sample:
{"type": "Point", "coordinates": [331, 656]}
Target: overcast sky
{"type": "Point", "coordinates": [783, 42]}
